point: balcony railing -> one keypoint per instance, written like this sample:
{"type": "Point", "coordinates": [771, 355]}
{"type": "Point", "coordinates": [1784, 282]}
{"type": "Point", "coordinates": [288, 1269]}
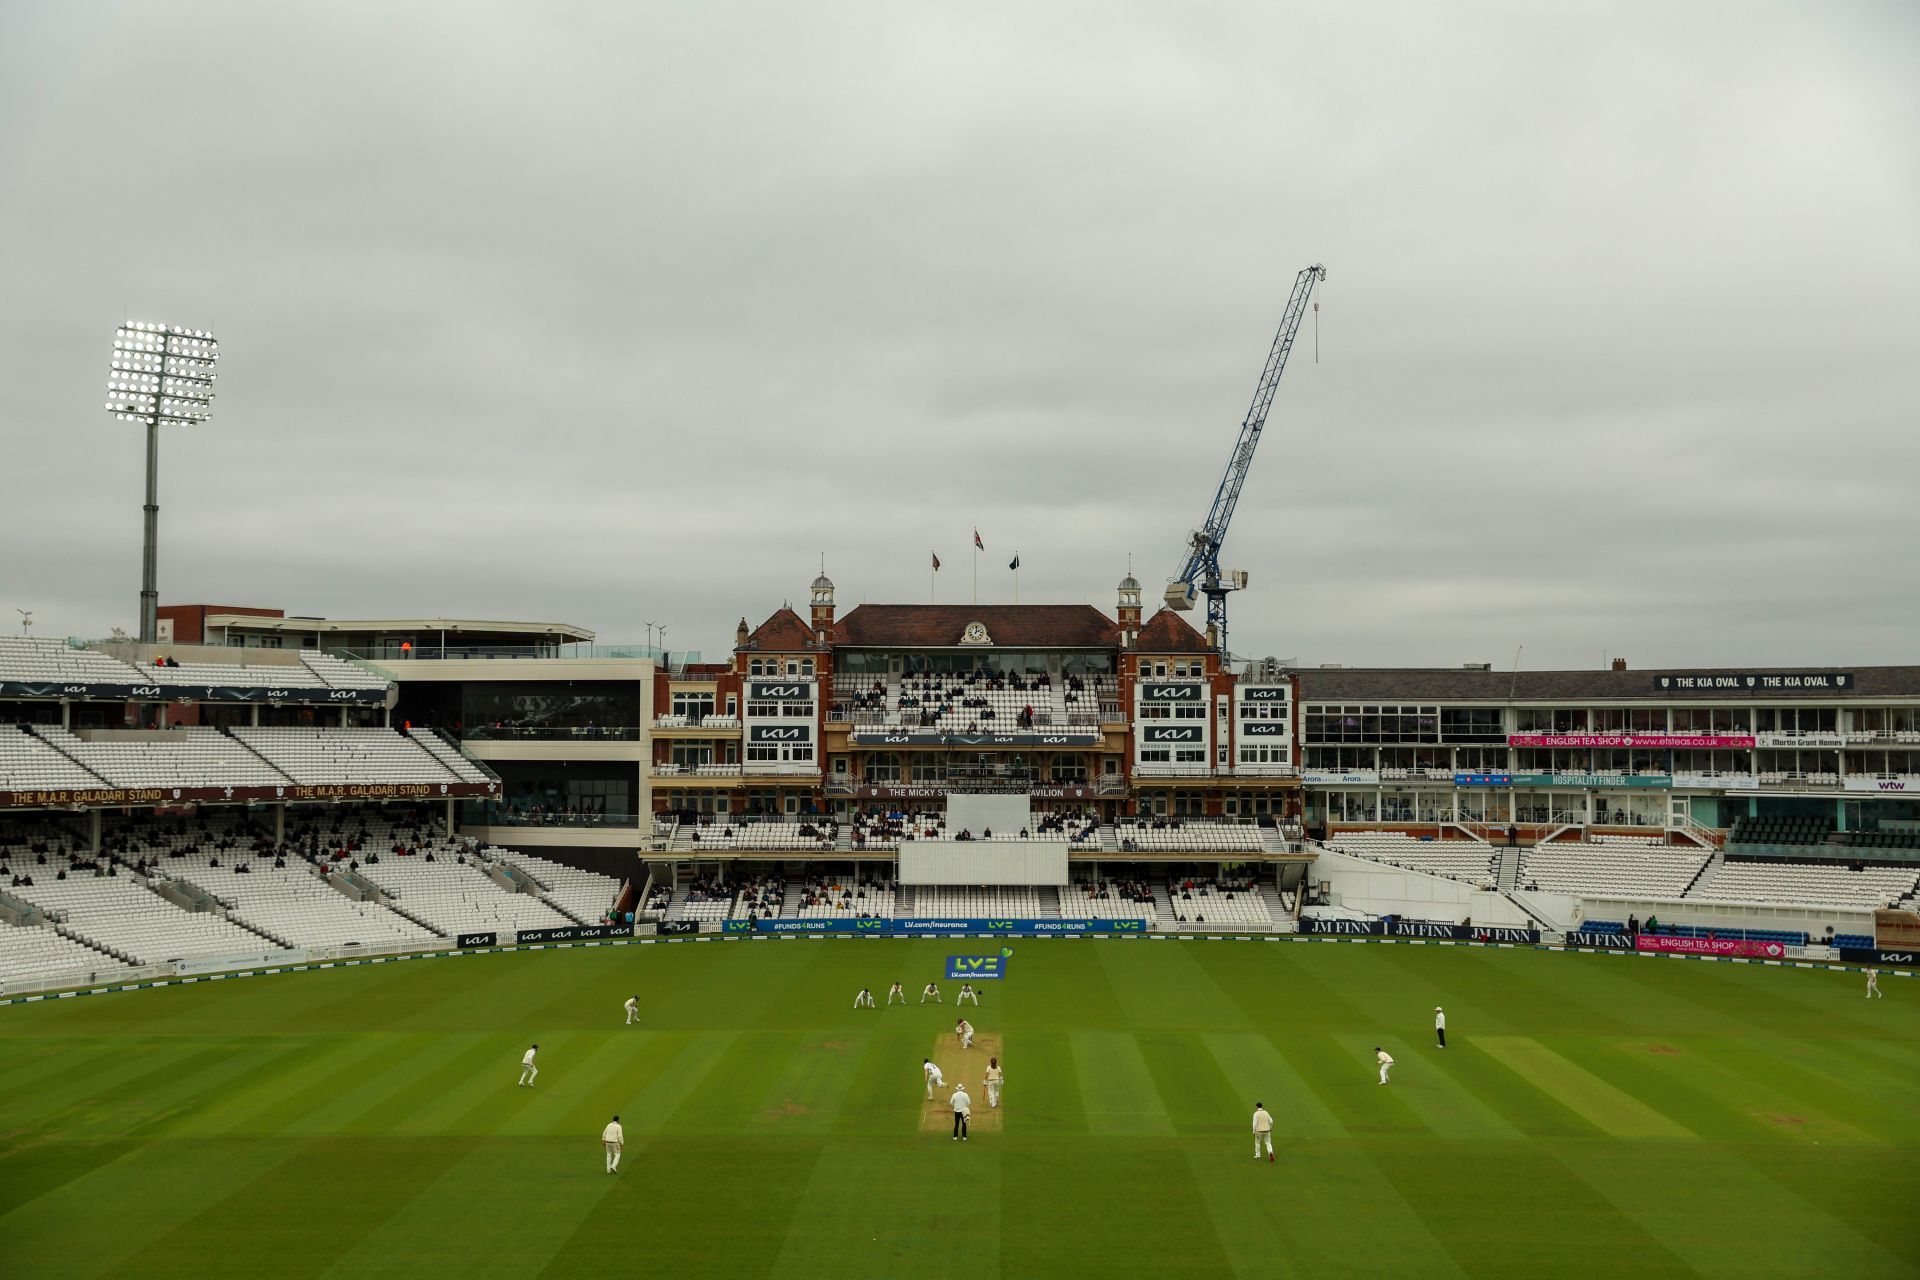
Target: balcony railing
{"type": "Point", "coordinates": [696, 722]}
{"type": "Point", "coordinates": [549, 733]}
{"type": "Point", "coordinates": [498, 813]}
{"type": "Point", "coordinates": [1157, 770]}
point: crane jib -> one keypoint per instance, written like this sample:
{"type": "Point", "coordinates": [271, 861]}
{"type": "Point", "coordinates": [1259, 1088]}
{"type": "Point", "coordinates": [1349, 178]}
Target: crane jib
{"type": "Point", "coordinates": [1201, 572]}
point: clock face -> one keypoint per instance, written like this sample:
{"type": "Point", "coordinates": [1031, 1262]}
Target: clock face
{"type": "Point", "coordinates": [976, 632]}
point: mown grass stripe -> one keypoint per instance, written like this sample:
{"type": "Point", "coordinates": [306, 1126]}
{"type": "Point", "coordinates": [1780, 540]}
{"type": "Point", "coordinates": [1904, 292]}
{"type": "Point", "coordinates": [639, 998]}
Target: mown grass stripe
{"type": "Point", "coordinates": [69, 1230]}
{"type": "Point", "coordinates": [1258, 1072]}
{"type": "Point", "coordinates": [1116, 1088]}
{"type": "Point", "coordinates": [1611, 1110]}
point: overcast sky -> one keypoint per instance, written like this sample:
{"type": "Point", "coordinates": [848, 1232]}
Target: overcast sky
{"type": "Point", "coordinates": [601, 313]}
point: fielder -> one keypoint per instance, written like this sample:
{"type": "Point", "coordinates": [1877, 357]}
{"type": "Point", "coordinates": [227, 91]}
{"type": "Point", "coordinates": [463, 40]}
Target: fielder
{"type": "Point", "coordinates": [1262, 1131]}
{"type": "Point", "coordinates": [967, 993]}
{"type": "Point", "coordinates": [995, 1078]}
{"type": "Point", "coordinates": [633, 1010]}
{"type": "Point", "coordinates": [962, 1108]}
{"type": "Point", "coordinates": [933, 1075]}
{"type": "Point", "coordinates": [931, 991]}
{"type": "Point", "coordinates": [1440, 1024]}
{"type": "Point", "coordinates": [964, 1030]}
{"type": "Point", "coordinates": [614, 1139]}
{"type": "Point", "coordinates": [1385, 1060]}
{"type": "Point", "coordinates": [1873, 984]}
{"type": "Point", "coordinates": [864, 1000]}
{"type": "Point", "coordinates": [896, 990]}
{"type": "Point", "coordinates": [527, 1070]}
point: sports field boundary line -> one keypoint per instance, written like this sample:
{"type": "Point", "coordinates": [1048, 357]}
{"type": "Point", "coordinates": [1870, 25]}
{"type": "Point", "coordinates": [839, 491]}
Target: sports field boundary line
{"type": "Point", "coordinates": [261, 971]}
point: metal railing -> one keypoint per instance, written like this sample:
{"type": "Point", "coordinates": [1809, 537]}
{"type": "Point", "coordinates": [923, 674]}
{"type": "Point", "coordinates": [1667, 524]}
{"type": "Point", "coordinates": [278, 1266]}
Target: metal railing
{"type": "Point", "coordinates": [549, 733]}
{"type": "Point", "coordinates": [495, 813]}
{"type": "Point", "coordinates": [428, 647]}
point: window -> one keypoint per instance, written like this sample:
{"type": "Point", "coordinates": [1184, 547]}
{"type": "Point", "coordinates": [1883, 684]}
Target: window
{"type": "Point", "coordinates": [694, 706]}
{"type": "Point", "coordinates": [1364, 723]}
{"type": "Point", "coordinates": [1471, 724]}
{"type": "Point", "coordinates": [784, 752]}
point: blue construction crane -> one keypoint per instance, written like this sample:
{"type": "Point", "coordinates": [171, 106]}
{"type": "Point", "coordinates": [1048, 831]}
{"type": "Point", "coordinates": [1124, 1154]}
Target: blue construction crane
{"type": "Point", "coordinates": [1201, 574]}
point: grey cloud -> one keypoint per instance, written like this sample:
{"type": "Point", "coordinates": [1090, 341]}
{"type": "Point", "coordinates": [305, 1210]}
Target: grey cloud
{"type": "Point", "coordinates": [618, 312]}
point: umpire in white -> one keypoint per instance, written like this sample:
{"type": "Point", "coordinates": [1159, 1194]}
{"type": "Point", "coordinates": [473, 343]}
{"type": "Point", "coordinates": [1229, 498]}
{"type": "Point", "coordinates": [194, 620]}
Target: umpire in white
{"type": "Point", "coordinates": [962, 1108]}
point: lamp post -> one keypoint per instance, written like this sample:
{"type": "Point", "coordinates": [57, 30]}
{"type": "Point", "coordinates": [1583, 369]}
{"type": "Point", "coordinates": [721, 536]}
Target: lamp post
{"type": "Point", "coordinates": [161, 374]}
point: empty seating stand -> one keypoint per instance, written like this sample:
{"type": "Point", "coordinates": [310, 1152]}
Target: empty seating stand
{"type": "Point", "coordinates": [343, 756]}
{"type": "Point", "coordinates": [1186, 835]}
{"type": "Point", "coordinates": [1613, 866]}
{"type": "Point", "coordinates": [1468, 861]}
{"type": "Point", "coordinates": [186, 757]}
{"type": "Point", "coordinates": [1809, 884]}
{"type": "Point", "coordinates": [29, 762]}
{"type": "Point", "coordinates": [1016, 902]}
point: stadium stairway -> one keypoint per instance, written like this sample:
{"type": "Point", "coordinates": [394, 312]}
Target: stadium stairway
{"type": "Point", "coordinates": [73, 935]}
{"type": "Point", "coordinates": [1282, 917]}
{"type": "Point", "coordinates": [392, 905]}
{"type": "Point", "coordinates": [190, 897]}
{"type": "Point", "coordinates": [1109, 841]}
{"type": "Point", "coordinates": [1509, 877]}
{"type": "Point", "coordinates": [1163, 903]}
{"type": "Point", "coordinates": [1703, 878]}
{"type": "Point", "coordinates": [542, 890]}
{"type": "Point", "coordinates": [1049, 899]}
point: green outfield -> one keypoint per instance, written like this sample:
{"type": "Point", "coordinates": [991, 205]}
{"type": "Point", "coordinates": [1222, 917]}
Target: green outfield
{"type": "Point", "coordinates": [1651, 1116]}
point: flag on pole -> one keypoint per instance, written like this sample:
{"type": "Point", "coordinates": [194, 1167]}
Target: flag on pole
{"type": "Point", "coordinates": [936, 562]}
{"type": "Point", "coordinates": [978, 545]}
{"type": "Point", "coordinates": [1015, 566]}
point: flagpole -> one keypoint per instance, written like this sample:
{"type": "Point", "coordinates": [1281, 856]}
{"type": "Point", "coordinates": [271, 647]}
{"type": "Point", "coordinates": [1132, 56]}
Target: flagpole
{"type": "Point", "coordinates": [976, 573]}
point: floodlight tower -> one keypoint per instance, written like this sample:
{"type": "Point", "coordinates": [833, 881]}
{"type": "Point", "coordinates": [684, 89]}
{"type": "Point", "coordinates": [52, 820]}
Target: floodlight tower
{"type": "Point", "coordinates": [160, 374]}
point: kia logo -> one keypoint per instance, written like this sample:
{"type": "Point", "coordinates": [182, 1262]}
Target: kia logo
{"type": "Point", "coordinates": [80, 688]}
{"type": "Point", "coordinates": [780, 691]}
{"type": "Point", "coordinates": [274, 695]}
{"type": "Point", "coordinates": [1172, 692]}
{"type": "Point", "coordinates": [789, 733]}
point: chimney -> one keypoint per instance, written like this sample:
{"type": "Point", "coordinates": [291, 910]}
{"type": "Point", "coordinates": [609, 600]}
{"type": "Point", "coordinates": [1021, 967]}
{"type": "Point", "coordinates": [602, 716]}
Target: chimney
{"type": "Point", "coordinates": [1619, 664]}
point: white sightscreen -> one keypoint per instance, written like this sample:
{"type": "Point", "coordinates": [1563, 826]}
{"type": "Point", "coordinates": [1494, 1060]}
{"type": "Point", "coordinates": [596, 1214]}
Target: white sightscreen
{"type": "Point", "coordinates": [981, 812]}
{"type": "Point", "coordinates": [983, 862]}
